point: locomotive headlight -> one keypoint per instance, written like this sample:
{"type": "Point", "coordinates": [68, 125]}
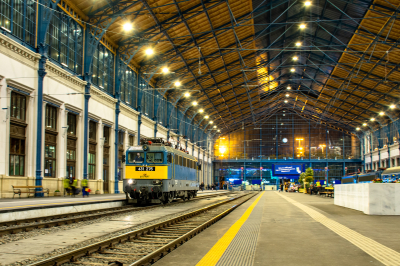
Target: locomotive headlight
{"type": "Point", "coordinates": [157, 182]}
{"type": "Point", "coordinates": [130, 181]}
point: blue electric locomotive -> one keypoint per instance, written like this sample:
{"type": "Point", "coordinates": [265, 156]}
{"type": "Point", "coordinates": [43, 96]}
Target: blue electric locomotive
{"type": "Point", "coordinates": [157, 173]}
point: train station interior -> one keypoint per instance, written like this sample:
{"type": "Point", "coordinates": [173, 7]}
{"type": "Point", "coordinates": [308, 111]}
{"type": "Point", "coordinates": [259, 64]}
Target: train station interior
{"type": "Point", "coordinates": [275, 125]}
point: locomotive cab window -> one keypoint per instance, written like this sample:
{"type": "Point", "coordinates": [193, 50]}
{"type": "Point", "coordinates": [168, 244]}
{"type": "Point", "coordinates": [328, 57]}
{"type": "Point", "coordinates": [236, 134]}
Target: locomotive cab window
{"type": "Point", "coordinates": [154, 157]}
{"type": "Point", "coordinates": [169, 158]}
{"type": "Point", "coordinates": [136, 157]}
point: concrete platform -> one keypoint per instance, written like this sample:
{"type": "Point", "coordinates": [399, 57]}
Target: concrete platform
{"type": "Point", "coordinates": [15, 209]}
{"type": "Point", "coordinates": [293, 229]}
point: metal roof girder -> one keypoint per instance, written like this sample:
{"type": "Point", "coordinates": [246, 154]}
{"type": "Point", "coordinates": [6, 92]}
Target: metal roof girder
{"type": "Point", "coordinates": [167, 36]}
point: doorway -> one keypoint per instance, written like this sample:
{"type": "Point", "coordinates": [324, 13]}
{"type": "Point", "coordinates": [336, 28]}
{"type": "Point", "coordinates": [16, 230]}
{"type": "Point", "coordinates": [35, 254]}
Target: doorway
{"type": "Point", "coordinates": [70, 169]}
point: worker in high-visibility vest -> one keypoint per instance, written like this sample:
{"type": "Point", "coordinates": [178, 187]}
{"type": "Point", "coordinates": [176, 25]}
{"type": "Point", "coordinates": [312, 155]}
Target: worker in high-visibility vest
{"type": "Point", "coordinates": [66, 185]}
{"type": "Point", "coordinates": [85, 188]}
{"type": "Point", "coordinates": [73, 183]}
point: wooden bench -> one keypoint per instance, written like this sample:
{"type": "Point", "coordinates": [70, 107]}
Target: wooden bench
{"type": "Point", "coordinates": [31, 190]}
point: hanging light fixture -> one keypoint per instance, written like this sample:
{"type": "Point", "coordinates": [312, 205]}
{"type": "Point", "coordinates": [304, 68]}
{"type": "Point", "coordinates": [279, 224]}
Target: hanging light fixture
{"type": "Point", "coordinates": [149, 51]}
{"type": "Point", "coordinates": [127, 26]}
{"type": "Point", "coordinates": [165, 70]}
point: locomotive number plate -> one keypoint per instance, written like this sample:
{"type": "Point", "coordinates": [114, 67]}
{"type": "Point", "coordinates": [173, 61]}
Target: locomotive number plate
{"type": "Point", "coordinates": [145, 168]}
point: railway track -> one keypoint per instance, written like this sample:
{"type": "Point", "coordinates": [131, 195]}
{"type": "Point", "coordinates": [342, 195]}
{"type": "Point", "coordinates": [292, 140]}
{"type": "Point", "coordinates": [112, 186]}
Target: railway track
{"type": "Point", "coordinates": [149, 244]}
{"type": "Point", "coordinates": [25, 225]}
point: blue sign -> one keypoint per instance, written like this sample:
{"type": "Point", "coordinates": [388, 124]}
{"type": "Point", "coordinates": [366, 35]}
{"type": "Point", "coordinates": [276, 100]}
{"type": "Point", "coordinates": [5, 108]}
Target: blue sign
{"type": "Point", "coordinates": [289, 177]}
{"type": "Point", "coordinates": [288, 169]}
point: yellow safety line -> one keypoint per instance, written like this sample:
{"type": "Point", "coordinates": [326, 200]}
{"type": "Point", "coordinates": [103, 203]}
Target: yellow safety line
{"type": "Point", "coordinates": [52, 203]}
{"type": "Point", "coordinates": [216, 252]}
{"type": "Point", "coordinates": [385, 255]}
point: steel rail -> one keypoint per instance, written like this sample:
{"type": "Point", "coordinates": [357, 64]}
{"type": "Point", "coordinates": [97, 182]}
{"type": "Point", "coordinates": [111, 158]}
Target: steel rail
{"type": "Point", "coordinates": [101, 246]}
{"type": "Point", "coordinates": [62, 219]}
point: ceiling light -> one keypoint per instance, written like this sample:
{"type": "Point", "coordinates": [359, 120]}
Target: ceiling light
{"type": "Point", "coordinates": [292, 70]}
{"type": "Point", "coordinates": [382, 113]}
{"type": "Point", "coordinates": [307, 3]}
{"type": "Point", "coordinates": [215, 126]}
{"type": "Point", "coordinates": [392, 106]}
{"type": "Point", "coordinates": [165, 70]}
{"type": "Point", "coordinates": [372, 119]}
{"type": "Point", "coordinates": [194, 103]}
{"type": "Point", "coordinates": [211, 122]}
{"type": "Point", "coordinates": [287, 95]}
{"type": "Point", "coordinates": [177, 83]}
{"type": "Point", "coordinates": [285, 101]}
{"type": "Point", "coordinates": [218, 130]}
{"type": "Point", "coordinates": [365, 124]}
{"type": "Point", "coordinates": [149, 51]}
{"type": "Point", "coordinates": [302, 26]}
{"type": "Point", "coordinates": [201, 110]}
{"type": "Point", "coordinates": [206, 117]}
{"type": "Point", "coordinates": [127, 26]}
{"type": "Point", "coordinates": [358, 128]}
{"type": "Point", "coordinates": [295, 58]}
{"type": "Point", "coordinates": [288, 87]}
{"type": "Point", "coordinates": [187, 94]}
{"type": "Point", "coordinates": [298, 43]}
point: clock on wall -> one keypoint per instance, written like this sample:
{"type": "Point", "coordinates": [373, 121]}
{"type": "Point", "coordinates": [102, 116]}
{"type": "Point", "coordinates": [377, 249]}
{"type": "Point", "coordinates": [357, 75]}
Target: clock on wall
{"type": "Point", "coordinates": [284, 140]}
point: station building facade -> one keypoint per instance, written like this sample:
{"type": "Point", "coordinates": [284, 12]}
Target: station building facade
{"type": "Point", "coordinates": [78, 129]}
{"type": "Point", "coordinates": [286, 140]}
{"type": "Point", "coordinates": [382, 145]}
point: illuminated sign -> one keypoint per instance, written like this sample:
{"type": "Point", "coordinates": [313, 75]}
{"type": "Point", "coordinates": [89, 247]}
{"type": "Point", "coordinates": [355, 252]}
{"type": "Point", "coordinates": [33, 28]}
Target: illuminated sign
{"type": "Point", "coordinates": [288, 169]}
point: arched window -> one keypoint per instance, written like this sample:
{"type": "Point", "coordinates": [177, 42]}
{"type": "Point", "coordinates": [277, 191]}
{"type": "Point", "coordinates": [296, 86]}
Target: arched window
{"type": "Point", "coordinates": [65, 38]}
{"type": "Point", "coordinates": [19, 17]}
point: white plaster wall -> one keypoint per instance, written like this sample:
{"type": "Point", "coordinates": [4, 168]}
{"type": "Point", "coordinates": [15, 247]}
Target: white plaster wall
{"type": "Point", "coordinates": [160, 135]}
{"type": "Point", "coordinates": [101, 110]}
{"type": "Point", "coordinates": [62, 92]}
{"type": "Point", "coordinates": [394, 151]}
{"type": "Point", "coordinates": [21, 72]}
{"type": "Point", "coordinates": [146, 131]}
{"type": "Point", "coordinates": [384, 154]}
{"type": "Point", "coordinates": [375, 158]}
{"type": "Point", "coordinates": [367, 159]}
{"type": "Point", "coordinates": [128, 122]}
{"type": "Point", "coordinates": [4, 126]}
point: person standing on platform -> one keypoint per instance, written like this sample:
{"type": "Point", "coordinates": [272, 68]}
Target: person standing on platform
{"type": "Point", "coordinates": [74, 184]}
{"type": "Point", "coordinates": [85, 188]}
{"type": "Point", "coordinates": [66, 186]}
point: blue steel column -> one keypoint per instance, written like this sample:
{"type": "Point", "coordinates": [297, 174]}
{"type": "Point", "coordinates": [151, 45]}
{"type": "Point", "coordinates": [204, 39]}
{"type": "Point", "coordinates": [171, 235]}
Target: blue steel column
{"type": "Point", "coordinates": [309, 140]}
{"type": "Point", "coordinates": [363, 150]}
{"type": "Point", "coordinates": [326, 155]}
{"type": "Point", "coordinates": [139, 105]}
{"type": "Point", "coordinates": [326, 142]}
{"type": "Point", "coordinates": [138, 127]}
{"type": "Point", "coordinates": [276, 138]}
{"type": "Point", "coordinates": [42, 73]}
{"type": "Point", "coordinates": [294, 152]}
{"type": "Point", "coordinates": [120, 69]}
{"type": "Point", "coordinates": [156, 104]}
{"type": "Point", "coordinates": [86, 131]}
{"type": "Point", "coordinates": [343, 157]}
{"type": "Point", "coordinates": [117, 111]}
{"type": "Point", "coordinates": [45, 13]}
